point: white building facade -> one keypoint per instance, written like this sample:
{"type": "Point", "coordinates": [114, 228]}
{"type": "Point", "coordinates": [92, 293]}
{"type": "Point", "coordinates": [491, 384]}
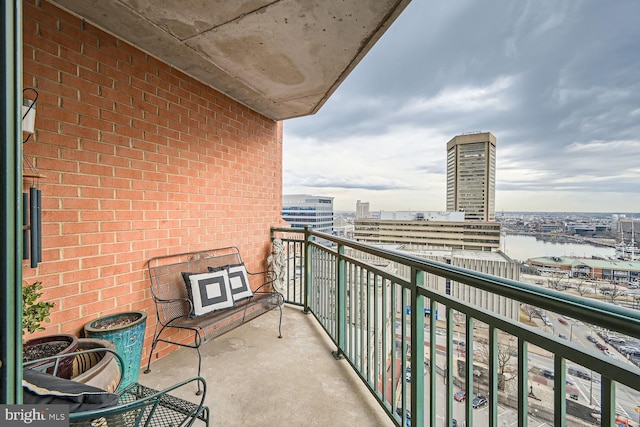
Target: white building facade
{"type": "Point", "coordinates": [363, 210]}
{"type": "Point", "coordinates": [301, 210]}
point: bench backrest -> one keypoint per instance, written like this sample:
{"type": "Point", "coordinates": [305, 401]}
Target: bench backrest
{"type": "Point", "coordinates": [167, 284]}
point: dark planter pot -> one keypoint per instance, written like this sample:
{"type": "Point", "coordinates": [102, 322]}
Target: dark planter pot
{"type": "Point", "coordinates": [126, 330]}
{"type": "Point", "coordinates": [96, 369]}
{"type": "Point", "coordinates": [52, 345]}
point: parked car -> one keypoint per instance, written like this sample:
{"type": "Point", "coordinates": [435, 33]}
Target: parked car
{"type": "Point", "coordinates": [548, 322]}
{"type": "Point", "coordinates": [460, 395]}
{"type": "Point", "coordinates": [563, 321]}
{"type": "Point", "coordinates": [583, 374]}
{"type": "Point", "coordinates": [479, 401]}
{"type": "Point", "coordinates": [573, 395]}
{"type": "Point", "coordinates": [601, 346]}
{"type": "Point", "coordinates": [408, 417]}
{"type": "Point", "coordinates": [548, 374]}
{"type": "Point", "coordinates": [592, 339]}
{"type": "Point", "coordinates": [608, 353]}
{"type": "Point", "coordinates": [563, 336]}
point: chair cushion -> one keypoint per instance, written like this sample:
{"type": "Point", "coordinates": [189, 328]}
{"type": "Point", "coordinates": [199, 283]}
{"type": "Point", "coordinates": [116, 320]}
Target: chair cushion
{"type": "Point", "coordinates": [208, 291]}
{"type": "Point", "coordinates": [40, 388]}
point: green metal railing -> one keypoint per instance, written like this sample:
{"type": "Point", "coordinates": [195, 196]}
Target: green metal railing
{"type": "Point", "coordinates": [11, 212]}
{"type": "Point", "coordinates": [374, 315]}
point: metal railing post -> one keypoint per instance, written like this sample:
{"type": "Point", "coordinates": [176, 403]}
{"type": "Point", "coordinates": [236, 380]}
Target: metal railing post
{"type": "Point", "coordinates": [471, 392]}
{"type": "Point", "coordinates": [449, 367]}
{"type": "Point", "coordinates": [523, 383]}
{"type": "Point", "coordinates": [11, 214]}
{"type": "Point", "coordinates": [307, 270]}
{"type": "Point", "coordinates": [559, 398]}
{"type": "Point", "coordinates": [417, 353]}
{"type": "Point", "coordinates": [494, 344]}
{"type": "Point", "coordinates": [341, 304]}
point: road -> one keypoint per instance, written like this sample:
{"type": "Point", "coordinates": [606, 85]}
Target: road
{"type": "Point", "coordinates": [588, 391]}
{"type": "Point", "coordinates": [626, 399]}
{"type": "Point", "coordinates": [506, 416]}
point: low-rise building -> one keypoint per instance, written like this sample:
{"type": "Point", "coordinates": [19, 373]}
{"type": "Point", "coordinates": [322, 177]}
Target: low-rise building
{"type": "Point", "coordinates": [616, 271]}
{"type": "Point", "coordinates": [436, 234]}
{"type": "Point", "coordinates": [495, 263]}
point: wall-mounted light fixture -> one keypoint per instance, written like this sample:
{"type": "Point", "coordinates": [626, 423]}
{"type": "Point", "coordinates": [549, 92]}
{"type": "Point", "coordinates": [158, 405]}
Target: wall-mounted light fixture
{"type": "Point", "coordinates": [29, 112]}
{"type": "Point", "coordinates": [28, 116]}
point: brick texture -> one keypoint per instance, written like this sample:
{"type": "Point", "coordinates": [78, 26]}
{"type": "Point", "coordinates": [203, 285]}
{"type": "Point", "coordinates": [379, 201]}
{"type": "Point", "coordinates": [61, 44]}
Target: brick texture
{"type": "Point", "coordinates": [139, 161]}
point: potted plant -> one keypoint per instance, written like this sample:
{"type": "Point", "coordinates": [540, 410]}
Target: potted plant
{"type": "Point", "coordinates": [98, 369]}
{"type": "Point", "coordinates": [126, 330]}
{"type": "Point", "coordinates": [34, 313]}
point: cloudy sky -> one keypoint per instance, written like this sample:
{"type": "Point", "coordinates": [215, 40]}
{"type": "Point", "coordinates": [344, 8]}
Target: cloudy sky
{"type": "Point", "coordinates": [557, 82]}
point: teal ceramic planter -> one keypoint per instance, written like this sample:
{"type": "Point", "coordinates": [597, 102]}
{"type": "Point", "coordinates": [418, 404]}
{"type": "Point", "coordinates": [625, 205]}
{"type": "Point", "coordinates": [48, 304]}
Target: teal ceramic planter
{"type": "Point", "coordinates": [126, 331]}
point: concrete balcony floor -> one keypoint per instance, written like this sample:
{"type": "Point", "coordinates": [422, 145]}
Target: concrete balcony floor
{"type": "Point", "coordinates": [255, 379]}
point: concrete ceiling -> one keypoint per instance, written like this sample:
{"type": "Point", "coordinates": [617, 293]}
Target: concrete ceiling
{"type": "Point", "coordinates": [282, 58]}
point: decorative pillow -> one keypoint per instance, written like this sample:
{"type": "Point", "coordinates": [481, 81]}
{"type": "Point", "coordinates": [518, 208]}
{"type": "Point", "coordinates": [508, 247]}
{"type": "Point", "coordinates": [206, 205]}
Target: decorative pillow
{"type": "Point", "coordinates": [208, 291]}
{"type": "Point", "coordinates": [238, 280]}
{"type": "Point", "coordinates": [40, 388]}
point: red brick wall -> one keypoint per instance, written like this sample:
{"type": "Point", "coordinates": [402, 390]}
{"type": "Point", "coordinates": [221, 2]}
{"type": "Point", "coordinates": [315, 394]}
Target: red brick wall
{"type": "Point", "coordinates": [140, 160]}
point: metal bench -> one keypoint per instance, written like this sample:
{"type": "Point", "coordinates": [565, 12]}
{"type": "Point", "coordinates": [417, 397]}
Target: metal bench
{"type": "Point", "coordinates": [137, 405]}
{"type": "Point", "coordinates": [173, 305]}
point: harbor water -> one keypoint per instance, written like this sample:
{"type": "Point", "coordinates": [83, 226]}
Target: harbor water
{"type": "Point", "coordinates": [521, 248]}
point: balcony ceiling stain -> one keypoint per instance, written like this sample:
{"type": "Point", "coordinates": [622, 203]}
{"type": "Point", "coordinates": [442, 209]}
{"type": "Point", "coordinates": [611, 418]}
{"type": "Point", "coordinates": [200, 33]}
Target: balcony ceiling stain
{"type": "Point", "coordinates": [281, 58]}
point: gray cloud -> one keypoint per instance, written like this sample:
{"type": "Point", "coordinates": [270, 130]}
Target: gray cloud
{"type": "Point", "coordinates": [556, 81]}
{"type": "Point", "coordinates": [343, 182]}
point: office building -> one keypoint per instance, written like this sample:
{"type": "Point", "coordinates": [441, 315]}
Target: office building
{"type": "Point", "coordinates": [471, 175]}
{"type": "Point", "coordinates": [438, 233]}
{"type": "Point", "coordinates": [343, 227]}
{"type": "Point", "coordinates": [362, 209]}
{"type": "Point", "coordinates": [301, 210]}
{"type": "Point", "coordinates": [418, 216]}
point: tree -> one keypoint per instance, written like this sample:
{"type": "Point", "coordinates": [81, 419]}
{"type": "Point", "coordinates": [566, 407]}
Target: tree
{"type": "Point", "coordinates": [531, 311]}
{"type": "Point", "coordinates": [506, 371]}
{"type": "Point", "coordinates": [558, 281]}
{"type": "Point", "coordinates": [615, 292]}
{"type": "Point", "coordinates": [582, 287]}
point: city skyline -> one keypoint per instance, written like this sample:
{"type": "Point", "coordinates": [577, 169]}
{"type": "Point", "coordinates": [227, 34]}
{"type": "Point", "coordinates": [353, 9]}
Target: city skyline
{"type": "Point", "coordinates": [555, 82]}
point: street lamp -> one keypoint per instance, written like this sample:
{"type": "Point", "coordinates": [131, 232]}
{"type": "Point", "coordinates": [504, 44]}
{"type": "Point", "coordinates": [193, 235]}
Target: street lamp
{"type": "Point", "coordinates": [571, 332]}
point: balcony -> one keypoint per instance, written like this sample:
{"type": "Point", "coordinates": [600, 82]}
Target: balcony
{"type": "Point", "coordinates": [359, 305]}
{"type": "Point", "coordinates": [255, 379]}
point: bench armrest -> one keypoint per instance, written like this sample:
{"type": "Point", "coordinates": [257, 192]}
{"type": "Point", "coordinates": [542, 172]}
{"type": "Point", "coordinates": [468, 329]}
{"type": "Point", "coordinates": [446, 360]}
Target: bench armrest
{"type": "Point", "coordinates": [168, 301]}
